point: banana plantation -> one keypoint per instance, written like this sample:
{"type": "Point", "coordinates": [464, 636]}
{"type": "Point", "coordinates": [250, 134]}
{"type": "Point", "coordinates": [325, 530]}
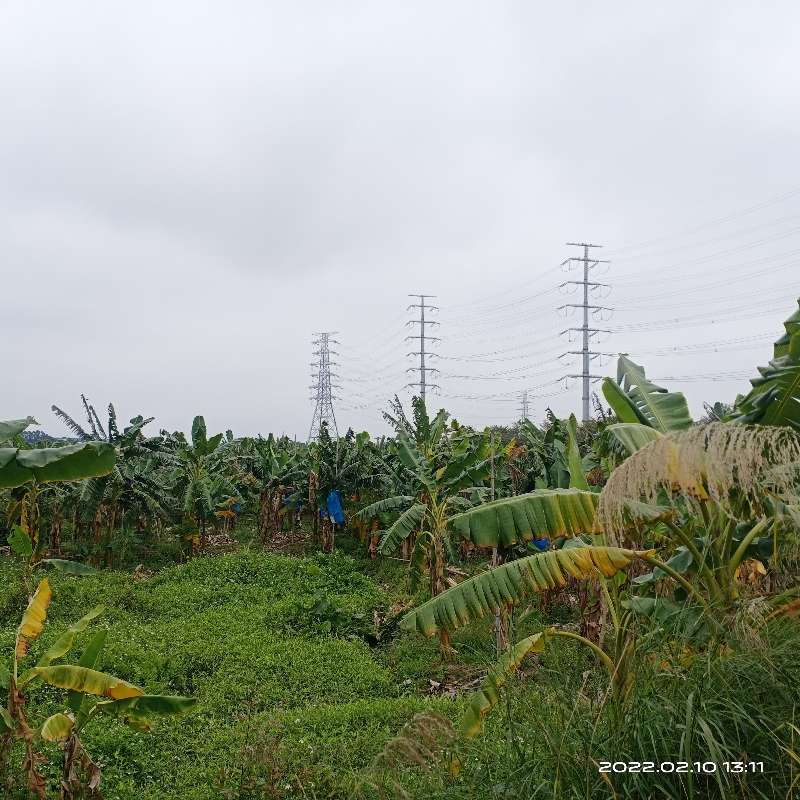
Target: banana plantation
{"type": "Point", "coordinates": [556, 609]}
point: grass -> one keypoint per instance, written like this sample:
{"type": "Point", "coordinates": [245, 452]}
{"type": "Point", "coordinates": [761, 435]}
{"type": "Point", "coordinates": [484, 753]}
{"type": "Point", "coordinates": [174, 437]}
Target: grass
{"type": "Point", "coordinates": [296, 697]}
{"type": "Point", "coordinates": [239, 633]}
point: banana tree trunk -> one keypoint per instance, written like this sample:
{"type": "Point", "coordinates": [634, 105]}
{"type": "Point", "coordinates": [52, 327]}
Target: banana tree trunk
{"type": "Point", "coordinates": [501, 616]}
{"type": "Point", "coordinates": [263, 515]}
{"type": "Point", "coordinates": [327, 535]}
{"type": "Point", "coordinates": [55, 533]}
{"type": "Point", "coordinates": [275, 511]}
{"type": "Point", "coordinates": [407, 547]}
{"type": "Point", "coordinates": [436, 566]}
{"type": "Point", "coordinates": [202, 528]}
{"type": "Point", "coordinates": [374, 540]}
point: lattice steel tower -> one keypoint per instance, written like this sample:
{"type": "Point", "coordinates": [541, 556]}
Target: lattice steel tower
{"type": "Point", "coordinates": [322, 387]}
{"type": "Point", "coordinates": [586, 332]}
{"type": "Point", "coordinates": [524, 405]}
{"type": "Point", "coordinates": [423, 337]}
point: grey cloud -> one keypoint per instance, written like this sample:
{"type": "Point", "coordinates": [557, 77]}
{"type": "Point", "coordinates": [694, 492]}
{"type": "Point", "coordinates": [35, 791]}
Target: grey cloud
{"type": "Point", "coordinates": [190, 189]}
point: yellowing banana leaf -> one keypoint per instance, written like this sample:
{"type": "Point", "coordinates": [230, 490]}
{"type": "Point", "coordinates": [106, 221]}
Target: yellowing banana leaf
{"type": "Point", "coordinates": [542, 513]}
{"type": "Point", "coordinates": [87, 681]}
{"type": "Point", "coordinates": [786, 603]}
{"type": "Point", "coordinates": [488, 695]}
{"type": "Point", "coordinates": [57, 728]}
{"type": "Point", "coordinates": [33, 619]}
{"type": "Point", "coordinates": [513, 582]}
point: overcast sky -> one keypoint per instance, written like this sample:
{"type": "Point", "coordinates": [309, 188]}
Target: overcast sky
{"type": "Point", "coordinates": [190, 189]}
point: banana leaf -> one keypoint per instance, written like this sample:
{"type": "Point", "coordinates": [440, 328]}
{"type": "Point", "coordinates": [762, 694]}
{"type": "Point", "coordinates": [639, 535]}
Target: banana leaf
{"type": "Point", "coordinates": [69, 463]}
{"type": "Point", "coordinates": [382, 506]}
{"type": "Point", "coordinates": [137, 711]}
{"type": "Point", "coordinates": [82, 679]}
{"type": "Point", "coordinates": [402, 528]}
{"type": "Point", "coordinates": [11, 428]}
{"type": "Point", "coordinates": [64, 643]}
{"type": "Point", "coordinates": [577, 478]}
{"type": "Point", "coordinates": [33, 618]}
{"type": "Point", "coordinates": [651, 404]}
{"type": "Point", "coordinates": [488, 694]}
{"type": "Point", "coordinates": [542, 513]}
{"type": "Point", "coordinates": [513, 582]}
{"type": "Point", "coordinates": [775, 396]}
{"type": "Point", "coordinates": [632, 436]}
{"type": "Point", "coordinates": [57, 728]}
{"type": "Point", "coordinates": [411, 459]}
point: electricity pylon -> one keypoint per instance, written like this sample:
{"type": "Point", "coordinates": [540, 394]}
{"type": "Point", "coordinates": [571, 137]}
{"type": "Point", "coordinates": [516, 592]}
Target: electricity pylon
{"type": "Point", "coordinates": [587, 333]}
{"type": "Point", "coordinates": [422, 384]}
{"type": "Point", "coordinates": [322, 387]}
{"type": "Point", "coordinates": [523, 409]}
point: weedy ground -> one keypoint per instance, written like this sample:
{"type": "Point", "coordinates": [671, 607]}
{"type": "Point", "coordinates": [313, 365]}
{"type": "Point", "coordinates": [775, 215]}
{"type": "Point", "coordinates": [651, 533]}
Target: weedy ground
{"type": "Point", "coordinates": [293, 687]}
{"type": "Point", "coordinates": [297, 696]}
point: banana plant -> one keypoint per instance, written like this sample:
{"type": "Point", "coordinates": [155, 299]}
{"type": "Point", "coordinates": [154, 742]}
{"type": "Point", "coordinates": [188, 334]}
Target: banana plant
{"type": "Point", "coordinates": [275, 468]}
{"type": "Point", "coordinates": [199, 471]}
{"type": "Point", "coordinates": [643, 410]}
{"type": "Point", "coordinates": [775, 396]}
{"type": "Point", "coordinates": [134, 488]}
{"type": "Point", "coordinates": [344, 465]}
{"type": "Point", "coordinates": [635, 399]}
{"type": "Point", "coordinates": [556, 513]}
{"type": "Point", "coordinates": [34, 469]}
{"type": "Point", "coordinates": [439, 464]}
{"type": "Point", "coordinates": [509, 585]}
{"type": "Point", "coordinates": [723, 493]}
{"type": "Point", "coordinates": [90, 692]}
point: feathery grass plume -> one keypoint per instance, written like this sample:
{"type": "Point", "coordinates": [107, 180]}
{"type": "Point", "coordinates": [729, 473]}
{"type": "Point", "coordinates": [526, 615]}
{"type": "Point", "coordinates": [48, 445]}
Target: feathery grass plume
{"type": "Point", "coordinates": [749, 620]}
{"type": "Point", "coordinates": [420, 742]}
{"type": "Point", "coordinates": [732, 464]}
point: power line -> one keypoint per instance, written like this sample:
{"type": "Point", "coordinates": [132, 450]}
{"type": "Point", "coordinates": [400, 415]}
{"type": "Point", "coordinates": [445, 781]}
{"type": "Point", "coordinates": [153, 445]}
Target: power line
{"type": "Point", "coordinates": [711, 223]}
{"type": "Point", "coordinates": [735, 234]}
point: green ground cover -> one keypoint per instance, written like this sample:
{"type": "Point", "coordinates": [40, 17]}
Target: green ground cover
{"type": "Point", "coordinates": [296, 697]}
